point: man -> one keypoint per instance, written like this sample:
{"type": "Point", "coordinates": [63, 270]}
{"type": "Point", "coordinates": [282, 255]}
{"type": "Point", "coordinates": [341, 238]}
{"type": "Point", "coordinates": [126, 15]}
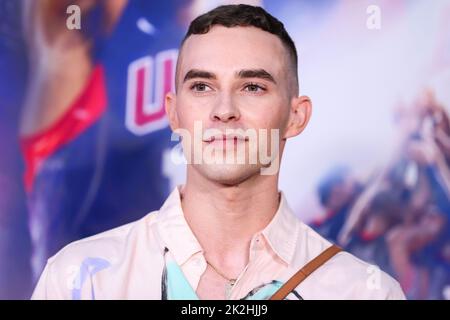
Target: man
{"type": "Point", "coordinates": [228, 233]}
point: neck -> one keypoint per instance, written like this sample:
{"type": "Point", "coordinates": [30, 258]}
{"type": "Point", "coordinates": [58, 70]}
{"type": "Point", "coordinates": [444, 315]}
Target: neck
{"type": "Point", "coordinates": [224, 218]}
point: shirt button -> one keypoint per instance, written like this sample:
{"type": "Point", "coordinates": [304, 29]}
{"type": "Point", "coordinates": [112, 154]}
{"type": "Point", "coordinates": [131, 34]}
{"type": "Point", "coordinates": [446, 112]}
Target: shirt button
{"type": "Point", "coordinates": [257, 245]}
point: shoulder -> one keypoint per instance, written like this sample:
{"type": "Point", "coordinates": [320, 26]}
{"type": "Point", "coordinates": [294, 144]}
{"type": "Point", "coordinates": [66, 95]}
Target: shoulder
{"type": "Point", "coordinates": [344, 276]}
{"type": "Point", "coordinates": [347, 277]}
{"type": "Point", "coordinates": [104, 253]}
{"type": "Point", "coordinates": [109, 244]}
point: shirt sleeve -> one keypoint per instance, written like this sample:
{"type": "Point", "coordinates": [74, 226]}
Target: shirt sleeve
{"type": "Point", "coordinates": [47, 288]}
{"type": "Point", "coordinates": [396, 292]}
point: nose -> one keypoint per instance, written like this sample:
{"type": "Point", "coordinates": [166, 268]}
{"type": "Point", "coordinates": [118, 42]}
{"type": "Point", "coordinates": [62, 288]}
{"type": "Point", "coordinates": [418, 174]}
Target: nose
{"type": "Point", "coordinates": [225, 110]}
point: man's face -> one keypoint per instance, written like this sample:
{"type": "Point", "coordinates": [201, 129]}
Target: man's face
{"type": "Point", "coordinates": [234, 78]}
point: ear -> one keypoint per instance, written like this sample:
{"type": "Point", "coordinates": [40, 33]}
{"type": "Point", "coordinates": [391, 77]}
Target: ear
{"type": "Point", "coordinates": [170, 105]}
{"type": "Point", "coordinates": [299, 115]}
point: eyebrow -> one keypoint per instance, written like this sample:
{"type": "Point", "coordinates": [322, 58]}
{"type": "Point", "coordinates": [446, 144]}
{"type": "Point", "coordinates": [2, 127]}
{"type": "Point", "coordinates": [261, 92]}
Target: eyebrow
{"type": "Point", "coordinates": [195, 73]}
{"type": "Point", "coordinates": [256, 73]}
{"type": "Point", "coordinates": [245, 73]}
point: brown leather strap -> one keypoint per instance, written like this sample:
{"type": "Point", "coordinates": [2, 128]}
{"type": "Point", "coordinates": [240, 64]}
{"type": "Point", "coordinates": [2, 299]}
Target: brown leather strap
{"type": "Point", "coordinates": [304, 272]}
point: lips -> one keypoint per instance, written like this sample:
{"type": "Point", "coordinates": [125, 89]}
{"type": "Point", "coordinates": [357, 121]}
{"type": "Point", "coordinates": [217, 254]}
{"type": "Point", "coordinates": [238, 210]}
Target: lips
{"type": "Point", "coordinates": [225, 138]}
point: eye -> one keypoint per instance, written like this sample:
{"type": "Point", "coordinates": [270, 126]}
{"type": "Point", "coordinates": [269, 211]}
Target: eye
{"type": "Point", "coordinates": [200, 87]}
{"type": "Point", "coordinates": [255, 88]}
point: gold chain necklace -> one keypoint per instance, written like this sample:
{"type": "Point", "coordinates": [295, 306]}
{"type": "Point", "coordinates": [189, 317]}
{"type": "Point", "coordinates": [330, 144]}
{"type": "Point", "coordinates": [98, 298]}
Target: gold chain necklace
{"type": "Point", "coordinates": [230, 281]}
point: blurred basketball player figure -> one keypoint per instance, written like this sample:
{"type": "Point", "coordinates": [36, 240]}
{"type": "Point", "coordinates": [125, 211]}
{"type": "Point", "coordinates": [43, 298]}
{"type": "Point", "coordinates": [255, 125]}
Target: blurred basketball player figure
{"type": "Point", "coordinates": [85, 134]}
{"type": "Point", "coordinates": [228, 233]}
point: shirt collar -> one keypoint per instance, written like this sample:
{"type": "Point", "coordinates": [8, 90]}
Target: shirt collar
{"type": "Point", "coordinates": [281, 233]}
{"type": "Point", "coordinates": [175, 231]}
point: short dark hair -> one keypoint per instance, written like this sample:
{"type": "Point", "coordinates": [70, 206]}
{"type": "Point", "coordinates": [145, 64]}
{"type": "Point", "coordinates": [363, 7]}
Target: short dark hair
{"type": "Point", "coordinates": [242, 15]}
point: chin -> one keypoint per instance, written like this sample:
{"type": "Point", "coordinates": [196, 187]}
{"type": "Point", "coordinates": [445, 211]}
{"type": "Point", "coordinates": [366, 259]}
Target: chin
{"type": "Point", "coordinates": [228, 174]}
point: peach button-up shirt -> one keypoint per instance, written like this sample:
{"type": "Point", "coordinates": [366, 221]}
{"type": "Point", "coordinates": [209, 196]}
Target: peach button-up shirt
{"type": "Point", "coordinates": [158, 257]}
